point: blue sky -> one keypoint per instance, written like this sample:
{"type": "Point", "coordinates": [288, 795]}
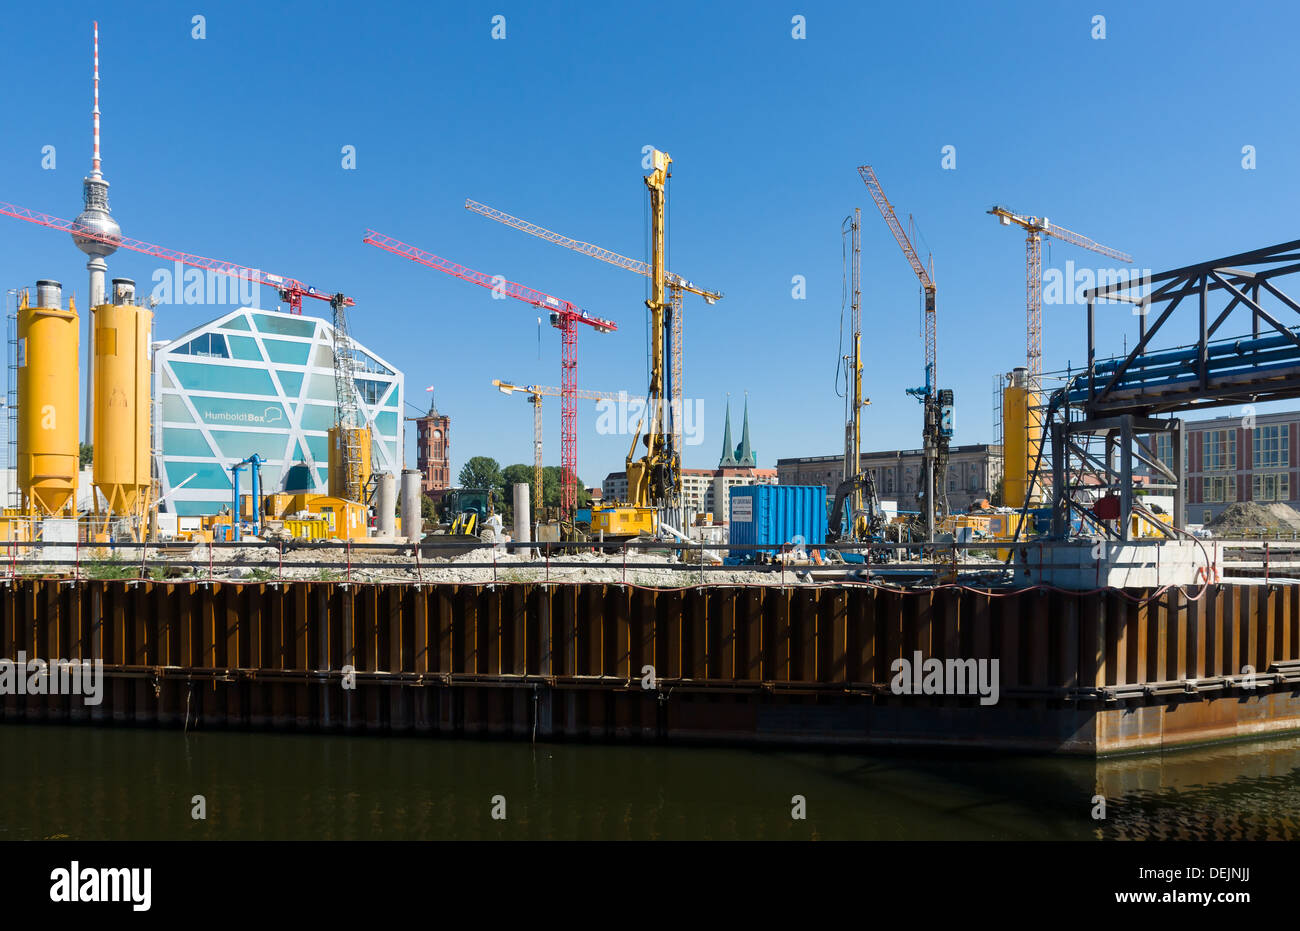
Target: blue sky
{"type": "Point", "coordinates": [230, 147]}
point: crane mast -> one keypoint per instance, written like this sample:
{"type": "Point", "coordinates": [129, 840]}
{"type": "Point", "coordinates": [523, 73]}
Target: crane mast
{"type": "Point", "coordinates": [853, 375]}
{"type": "Point", "coordinates": [654, 478]}
{"type": "Point", "coordinates": [936, 431]}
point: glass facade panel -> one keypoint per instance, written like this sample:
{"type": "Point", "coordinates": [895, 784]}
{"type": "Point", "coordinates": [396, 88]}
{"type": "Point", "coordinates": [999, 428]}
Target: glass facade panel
{"type": "Point", "coordinates": [320, 387]}
{"type": "Point", "coordinates": [244, 347]}
{"type": "Point", "coordinates": [174, 410]}
{"type": "Point", "coordinates": [190, 370]}
{"type": "Point", "coordinates": [291, 382]}
{"type": "Point", "coordinates": [185, 442]}
{"type": "Point", "coordinates": [226, 379]}
{"type": "Point", "coordinates": [286, 352]}
{"type": "Point", "coordinates": [317, 417]}
{"type": "Point", "coordinates": [240, 444]}
{"type": "Point", "coordinates": [284, 324]}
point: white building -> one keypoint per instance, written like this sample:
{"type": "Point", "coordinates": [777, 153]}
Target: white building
{"type": "Point", "coordinates": [258, 381]}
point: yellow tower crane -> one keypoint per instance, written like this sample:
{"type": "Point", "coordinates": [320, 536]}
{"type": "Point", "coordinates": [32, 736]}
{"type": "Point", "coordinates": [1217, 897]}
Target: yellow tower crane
{"type": "Point", "coordinates": [1021, 418]}
{"type": "Point", "coordinates": [1035, 229]}
{"type": "Point", "coordinates": [535, 394]}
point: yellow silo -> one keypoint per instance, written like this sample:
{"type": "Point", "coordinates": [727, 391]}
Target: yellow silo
{"type": "Point", "coordinates": [338, 481]}
{"type": "Point", "coordinates": [1021, 438]}
{"type": "Point", "coordinates": [48, 450]}
{"type": "Point", "coordinates": [122, 400]}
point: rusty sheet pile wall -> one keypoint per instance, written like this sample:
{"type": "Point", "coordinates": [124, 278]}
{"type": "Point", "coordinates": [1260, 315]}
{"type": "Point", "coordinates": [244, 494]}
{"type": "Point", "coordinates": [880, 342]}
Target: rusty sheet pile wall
{"type": "Point", "coordinates": [1076, 672]}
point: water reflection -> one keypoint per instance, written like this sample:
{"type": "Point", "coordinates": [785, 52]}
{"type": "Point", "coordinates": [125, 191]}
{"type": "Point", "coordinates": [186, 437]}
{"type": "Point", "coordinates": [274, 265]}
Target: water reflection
{"type": "Point", "coordinates": [98, 783]}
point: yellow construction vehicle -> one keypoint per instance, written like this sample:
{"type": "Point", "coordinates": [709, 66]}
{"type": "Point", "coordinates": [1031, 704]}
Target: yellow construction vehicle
{"type": "Point", "coordinates": [654, 478]}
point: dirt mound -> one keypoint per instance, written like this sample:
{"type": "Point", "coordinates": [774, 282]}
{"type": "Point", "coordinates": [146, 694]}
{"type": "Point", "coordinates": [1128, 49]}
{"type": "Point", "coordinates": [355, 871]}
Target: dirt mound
{"type": "Point", "coordinates": [1247, 515]}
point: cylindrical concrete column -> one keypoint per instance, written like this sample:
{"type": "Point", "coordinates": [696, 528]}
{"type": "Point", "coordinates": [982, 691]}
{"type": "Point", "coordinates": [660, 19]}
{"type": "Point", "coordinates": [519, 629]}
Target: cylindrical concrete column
{"type": "Point", "coordinates": [523, 513]}
{"type": "Point", "coordinates": [412, 501]}
{"type": "Point", "coordinates": [386, 506]}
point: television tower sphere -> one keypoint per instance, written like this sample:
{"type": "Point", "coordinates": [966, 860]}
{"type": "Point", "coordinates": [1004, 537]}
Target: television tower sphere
{"type": "Point", "coordinates": [94, 213]}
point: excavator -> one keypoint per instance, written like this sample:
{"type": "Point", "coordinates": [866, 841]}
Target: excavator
{"type": "Point", "coordinates": [866, 524]}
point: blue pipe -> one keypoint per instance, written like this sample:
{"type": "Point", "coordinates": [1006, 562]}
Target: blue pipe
{"type": "Point", "coordinates": [1221, 365]}
{"type": "Point", "coordinates": [1188, 353]}
{"type": "Point", "coordinates": [254, 462]}
{"type": "Point", "coordinates": [1081, 393]}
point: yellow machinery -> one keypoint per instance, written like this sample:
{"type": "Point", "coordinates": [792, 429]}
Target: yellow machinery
{"type": "Point", "coordinates": [343, 442]}
{"type": "Point", "coordinates": [48, 450]}
{"type": "Point", "coordinates": [858, 529]}
{"type": "Point", "coordinates": [617, 521]}
{"type": "Point", "coordinates": [654, 479]}
{"type": "Point", "coordinates": [122, 404]}
{"type": "Point", "coordinates": [305, 514]}
{"type": "Point", "coordinates": [1021, 437]}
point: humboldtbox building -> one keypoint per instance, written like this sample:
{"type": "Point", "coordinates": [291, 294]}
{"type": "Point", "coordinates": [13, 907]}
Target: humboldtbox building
{"type": "Point", "coordinates": [258, 381]}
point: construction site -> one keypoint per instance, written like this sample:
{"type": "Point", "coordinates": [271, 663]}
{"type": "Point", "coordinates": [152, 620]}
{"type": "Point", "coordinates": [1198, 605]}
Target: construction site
{"type": "Point", "coordinates": [243, 557]}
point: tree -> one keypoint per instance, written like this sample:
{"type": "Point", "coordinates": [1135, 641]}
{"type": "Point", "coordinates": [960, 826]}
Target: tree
{"type": "Point", "coordinates": [482, 472]}
{"type": "Point", "coordinates": [511, 476]}
{"type": "Point", "coordinates": [86, 455]}
{"type": "Point", "coordinates": [551, 487]}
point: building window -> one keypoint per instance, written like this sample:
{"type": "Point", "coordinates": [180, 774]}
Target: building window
{"type": "Point", "coordinates": [1164, 449]}
{"type": "Point", "coordinates": [1272, 447]}
{"type": "Point", "coordinates": [1217, 489]}
{"type": "Point", "coordinates": [1274, 486]}
{"type": "Point", "coordinates": [1220, 451]}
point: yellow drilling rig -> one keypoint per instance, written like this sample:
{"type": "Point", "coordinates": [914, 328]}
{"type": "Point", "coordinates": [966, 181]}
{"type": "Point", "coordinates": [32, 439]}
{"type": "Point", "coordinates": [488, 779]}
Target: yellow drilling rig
{"type": "Point", "coordinates": [654, 477]}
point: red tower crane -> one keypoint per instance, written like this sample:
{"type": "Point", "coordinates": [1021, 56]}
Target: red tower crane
{"type": "Point", "coordinates": [290, 289]}
{"type": "Point", "coordinates": [565, 317]}
{"type": "Point", "coordinates": [347, 413]}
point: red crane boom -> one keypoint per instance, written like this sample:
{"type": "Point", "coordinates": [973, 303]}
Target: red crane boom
{"type": "Point", "coordinates": [565, 317]}
{"type": "Point", "coordinates": [289, 289]}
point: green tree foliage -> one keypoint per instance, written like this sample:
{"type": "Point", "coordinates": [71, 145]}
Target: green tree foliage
{"type": "Point", "coordinates": [481, 472]}
{"type": "Point", "coordinates": [87, 454]}
{"type": "Point", "coordinates": [519, 472]}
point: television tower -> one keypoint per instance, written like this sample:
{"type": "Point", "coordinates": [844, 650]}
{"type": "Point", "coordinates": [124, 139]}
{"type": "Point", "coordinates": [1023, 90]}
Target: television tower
{"type": "Point", "coordinates": [96, 216]}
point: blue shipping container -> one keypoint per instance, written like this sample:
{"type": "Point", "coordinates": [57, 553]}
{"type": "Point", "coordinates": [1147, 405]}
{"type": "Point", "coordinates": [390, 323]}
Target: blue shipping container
{"type": "Point", "coordinates": [771, 515]}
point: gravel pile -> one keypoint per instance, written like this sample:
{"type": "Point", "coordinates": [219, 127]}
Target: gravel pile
{"type": "Point", "coordinates": [1249, 515]}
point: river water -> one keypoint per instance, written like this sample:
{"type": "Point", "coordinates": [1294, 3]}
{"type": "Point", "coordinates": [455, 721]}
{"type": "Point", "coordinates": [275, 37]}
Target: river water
{"type": "Point", "coordinates": [85, 783]}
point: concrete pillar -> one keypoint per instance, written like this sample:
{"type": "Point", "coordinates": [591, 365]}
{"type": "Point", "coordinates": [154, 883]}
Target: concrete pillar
{"type": "Point", "coordinates": [523, 514]}
{"type": "Point", "coordinates": [412, 510]}
{"type": "Point", "coordinates": [1179, 449]}
{"type": "Point", "coordinates": [386, 506]}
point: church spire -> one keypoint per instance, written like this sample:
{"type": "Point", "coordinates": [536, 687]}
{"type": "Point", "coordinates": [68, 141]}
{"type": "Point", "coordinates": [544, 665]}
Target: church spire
{"type": "Point", "coordinates": [745, 454]}
{"type": "Point", "coordinates": [728, 451]}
